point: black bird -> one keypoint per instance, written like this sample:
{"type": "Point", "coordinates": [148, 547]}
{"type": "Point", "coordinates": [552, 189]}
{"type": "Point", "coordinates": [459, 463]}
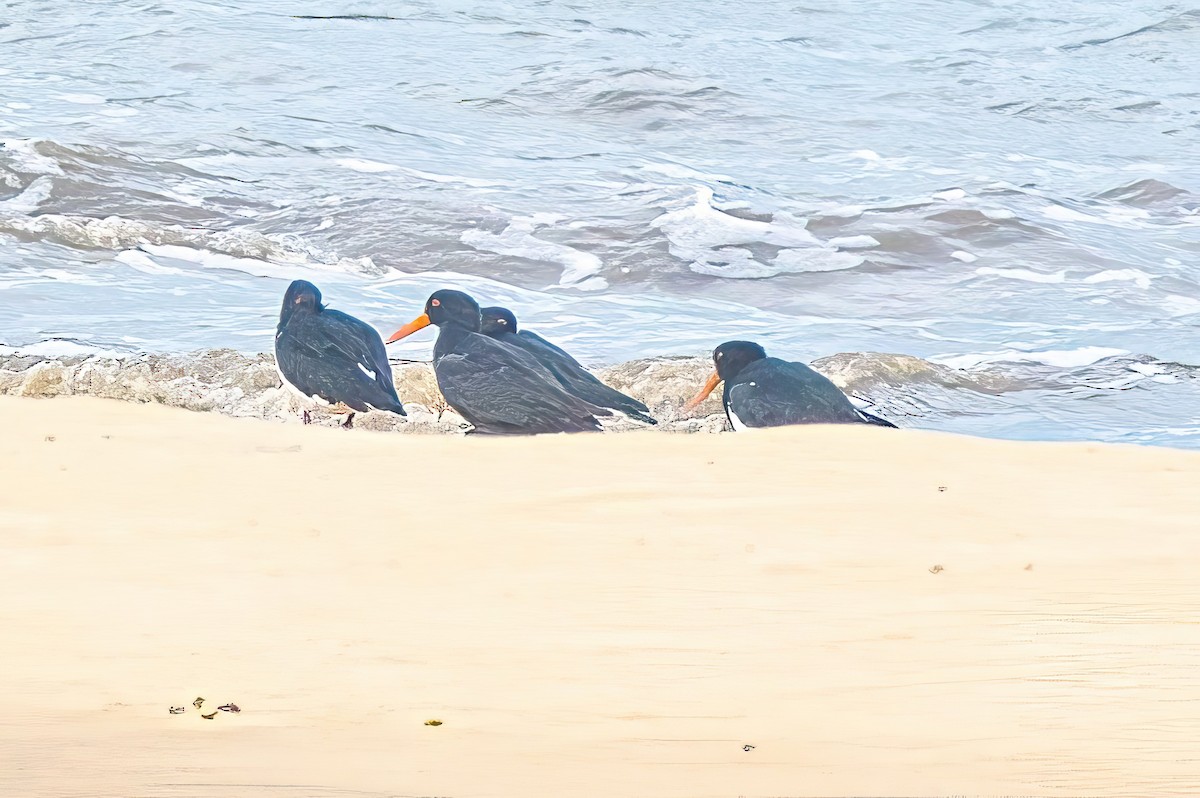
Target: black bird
{"type": "Point", "coordinates": [499, 389]}
{"type": "Point", "coordinates": [331, 358]}
{"type": "Point", "coordinates": [501, 324]}
{"type": "Point", "coordinates": [763, 391]}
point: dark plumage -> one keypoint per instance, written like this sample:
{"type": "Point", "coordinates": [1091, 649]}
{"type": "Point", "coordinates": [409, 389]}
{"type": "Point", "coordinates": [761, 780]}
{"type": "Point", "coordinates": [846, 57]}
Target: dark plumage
{"type": "Point", "coordinates": [330, 357]}
{"type": "Point", "coordinates": [763, 391]}
{"type": "Point", "coordinates": [499, 389]}
{"type": "Point", "coordinates": [501, 324]}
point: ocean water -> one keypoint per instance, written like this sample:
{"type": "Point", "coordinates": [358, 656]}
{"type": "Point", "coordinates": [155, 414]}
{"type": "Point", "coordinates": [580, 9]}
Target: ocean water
{"type": "Point", "coordinates": [1007, 188]}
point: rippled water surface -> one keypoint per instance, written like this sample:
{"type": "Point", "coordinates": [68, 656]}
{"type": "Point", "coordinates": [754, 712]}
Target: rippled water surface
{"type": "Point", "coordinates": [1009, 187]}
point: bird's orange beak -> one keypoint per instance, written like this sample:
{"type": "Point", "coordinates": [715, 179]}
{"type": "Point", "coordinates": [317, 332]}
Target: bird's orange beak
{"type": "Point", "coordinates": [419, 323]}
{"type": "Point", "coordinates": [713, 381]}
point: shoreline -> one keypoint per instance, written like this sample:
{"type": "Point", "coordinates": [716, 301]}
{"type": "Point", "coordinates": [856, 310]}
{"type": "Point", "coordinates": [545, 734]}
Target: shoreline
{"type": "Point", "coordinates": [232, 383]}
{"type": "Point", "coordinates": [1006, 402]}
{"type": "Point", "coordinates": [589, 615]}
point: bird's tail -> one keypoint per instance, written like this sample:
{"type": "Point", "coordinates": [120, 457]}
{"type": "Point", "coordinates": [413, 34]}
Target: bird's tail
{"type": "Point", "coordinates": [635, 415]}
{"type": "Point", "coordinates": [870, 418]}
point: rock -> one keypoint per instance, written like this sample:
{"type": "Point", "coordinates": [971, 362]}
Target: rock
{"type": "Point", "coordinates": [231, 383]}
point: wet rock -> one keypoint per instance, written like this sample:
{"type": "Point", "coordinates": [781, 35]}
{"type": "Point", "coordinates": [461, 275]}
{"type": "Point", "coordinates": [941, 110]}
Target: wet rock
{"type": "Point", "coordinates": [870, 371]}
{"type": "Point", "coordinates": [665, 384]}
{"type": "Point", "coordinates": [231, 383]}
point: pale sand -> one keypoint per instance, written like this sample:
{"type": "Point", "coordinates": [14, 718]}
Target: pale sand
{"type": "Point", "coordinates": [590, 615]}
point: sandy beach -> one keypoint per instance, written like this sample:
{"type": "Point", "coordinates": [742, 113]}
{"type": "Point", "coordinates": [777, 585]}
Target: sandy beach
{"type": "Point", "coordinates": [794, 612]}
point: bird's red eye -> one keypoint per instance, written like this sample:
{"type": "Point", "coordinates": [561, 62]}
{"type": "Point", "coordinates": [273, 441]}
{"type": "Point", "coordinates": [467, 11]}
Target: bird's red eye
{"type": "Point", "coordinates": [437, 303]}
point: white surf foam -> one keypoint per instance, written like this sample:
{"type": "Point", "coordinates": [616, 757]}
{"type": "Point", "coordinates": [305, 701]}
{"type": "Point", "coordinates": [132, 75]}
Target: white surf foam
{"type": "Point", "coordinates": [580, 269]}
{"type": "Point", "coordinates": [285, 269]}
{"type": "Point", "coordinates": [364, 165]}
{"type": "Point", "coordinates": [207, 246]}
{"type": "Point", "coordinates": [1135, 276]}
{"type": "Point", "coordinates": [1179, 305]}
{"type": "Point", "coordinates": [1023, 274]}
{"type": "Point", "coordinates": [853, 242]}
{"type": "Point", "coordinates": [30, 199]}
{"type": "Point", "coordinates": [57, 347]}
{"type": "Point", "coordinates": [434, 177]}
{"type": "Point", "coordinates": [713, 242]}
{"type": "Point", "coordinates": [23, 155]}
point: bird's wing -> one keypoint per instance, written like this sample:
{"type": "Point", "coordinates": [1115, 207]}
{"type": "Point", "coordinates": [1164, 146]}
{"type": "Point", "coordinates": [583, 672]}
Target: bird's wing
{"type": "Point", "coordinates": [340, 359]}
{"type": "Point", "coordinates": [575, 378]}
{"type": "Point", "coordinates": [360, 342]}
{"type": "Point", "coordinates": [532, 336]}
{"type": "Point", "coordinates": [781, 392]}
{"type": "Point", "coordinates": [493, 388]}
